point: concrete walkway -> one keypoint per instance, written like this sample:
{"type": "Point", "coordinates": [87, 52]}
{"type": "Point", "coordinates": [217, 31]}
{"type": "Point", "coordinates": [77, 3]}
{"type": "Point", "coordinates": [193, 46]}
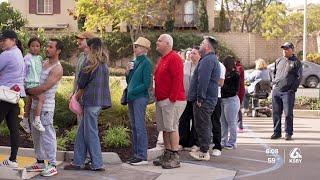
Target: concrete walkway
{"type": "Point", "coordinates": [253, 159]}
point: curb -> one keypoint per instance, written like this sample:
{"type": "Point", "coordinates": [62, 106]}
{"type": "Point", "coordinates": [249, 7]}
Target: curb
{"type": "Point", "coordinates": [155, 152]}
{"type": "Point", "coordinates": [306, 113]}
{"type": "Point", "coordinates": [108, 157]}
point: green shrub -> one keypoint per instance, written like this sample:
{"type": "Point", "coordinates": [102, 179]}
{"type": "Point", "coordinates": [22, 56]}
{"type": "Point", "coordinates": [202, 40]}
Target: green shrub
{"type": "Point", "coordinates": [117, 115]}
{"type": "Point", "coordinates": [69, 46]}
{"type": "Point", "coordinates": [308, 103]}
{"type": "Point", "coordinates": [4, 131]}
{"type": "Point", "coordinates": [150, 112]}
{"type": "Point", "coordinates": [314, 58]}
{"type": "Point", "coordinates": [68, 69]}
{"type": "Point", "coordinates": [117, 71]}
{"type": "Point", "coordinates": [72, 134]}
{"type": "Point", "coordinates": [117, 137]}
{"type": "Point", "coordinates": [62, 143]}
{"type": "Point", "coordinates": [63, 117]}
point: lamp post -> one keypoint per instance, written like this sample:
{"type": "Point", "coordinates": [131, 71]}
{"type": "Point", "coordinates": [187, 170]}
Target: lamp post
{"type": "Point", "coordinates": [305, 31]}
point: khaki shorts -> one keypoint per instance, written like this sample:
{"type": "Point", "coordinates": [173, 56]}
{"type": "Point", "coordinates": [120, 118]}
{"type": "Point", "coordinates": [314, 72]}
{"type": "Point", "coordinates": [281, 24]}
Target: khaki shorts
{"type": "Point", "coordinates": [168, 114]}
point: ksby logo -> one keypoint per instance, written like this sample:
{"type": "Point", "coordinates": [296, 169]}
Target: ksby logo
{"type": "Point", "coordinates": [295, 156]}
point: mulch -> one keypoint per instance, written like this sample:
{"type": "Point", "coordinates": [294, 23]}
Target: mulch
{"type": "Point", "coordinates": [124, 153]}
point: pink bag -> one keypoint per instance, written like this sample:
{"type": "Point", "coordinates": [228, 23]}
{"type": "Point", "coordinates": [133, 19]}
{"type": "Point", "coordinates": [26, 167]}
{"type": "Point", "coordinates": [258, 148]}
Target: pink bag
{"type": "Point", "coordinates": [75, 106]}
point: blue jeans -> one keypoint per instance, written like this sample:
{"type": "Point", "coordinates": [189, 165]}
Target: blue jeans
{"type": "Point", "coordinates": [229, 118]}
{"type": "Point", "coordinates": [88, 139]}
{"type": "Point", "coordinates": [137, 111]}
{"type": "Point", "coordinates": [282, 101]}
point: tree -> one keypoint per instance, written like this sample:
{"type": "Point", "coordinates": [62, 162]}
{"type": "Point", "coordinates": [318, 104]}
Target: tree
{"type": "Point", "coordinates": [169, 24]}
{"type": "Point", "coordinates": [204, 22]}
{"type": "Point", "coordinates": [100, 14]}
{"type": "Point", "coordinates": [248, 13]}
{"type": "Point", "coordinates": [279, 23]}
{"type": "Point", "coordinates": [10, 18]}
{"type": "Point", "coordinates": [222, 19]}
{"type": "Point", "coordinates": [274, 21]}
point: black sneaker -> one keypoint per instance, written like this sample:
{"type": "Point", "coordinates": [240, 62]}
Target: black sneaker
{"type": "Point", "coordinates": [130, 159]}
{"type": "Point", "coordinates": [275, 136]}
{"type": "Point", "coordinates": [138, 162]}
{"type": "Point", "coordinates": [288, 137]}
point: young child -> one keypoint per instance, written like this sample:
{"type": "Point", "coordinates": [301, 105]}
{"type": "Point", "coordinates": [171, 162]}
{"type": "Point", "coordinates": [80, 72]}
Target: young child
{"type": "Point", "coordinates": [33, 67]}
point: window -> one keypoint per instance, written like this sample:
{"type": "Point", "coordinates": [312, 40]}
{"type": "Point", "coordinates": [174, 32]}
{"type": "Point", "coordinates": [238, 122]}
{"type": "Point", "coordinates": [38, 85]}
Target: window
{"type": "Point", "coordinates": [189, 12]}
{"type": "Point", "coordinates": [45, 7]}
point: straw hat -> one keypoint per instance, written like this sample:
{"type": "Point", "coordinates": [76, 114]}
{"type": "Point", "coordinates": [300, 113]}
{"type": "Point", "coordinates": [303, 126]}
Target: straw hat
{"type": "Point", "coordinates": [141, 41]}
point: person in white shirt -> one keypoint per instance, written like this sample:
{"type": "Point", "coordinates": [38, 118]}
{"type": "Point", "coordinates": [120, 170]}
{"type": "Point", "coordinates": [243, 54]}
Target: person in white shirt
{"type": "Point", "coordinates": [215, 117]}
{"type": "Point", "coordinates": [188, 134]}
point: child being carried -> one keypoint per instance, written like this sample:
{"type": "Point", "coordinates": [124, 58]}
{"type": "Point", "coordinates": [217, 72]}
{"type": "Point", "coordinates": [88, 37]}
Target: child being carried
{"type": "Point", "coordinates": [33, 68]}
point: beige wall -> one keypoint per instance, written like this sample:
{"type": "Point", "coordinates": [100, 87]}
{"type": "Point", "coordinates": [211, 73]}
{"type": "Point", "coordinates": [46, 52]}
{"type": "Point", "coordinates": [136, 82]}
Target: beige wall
{"type": "Point", "coordinates": [250, 47]}
{"type": "Point", "coordinates": [35, 20]}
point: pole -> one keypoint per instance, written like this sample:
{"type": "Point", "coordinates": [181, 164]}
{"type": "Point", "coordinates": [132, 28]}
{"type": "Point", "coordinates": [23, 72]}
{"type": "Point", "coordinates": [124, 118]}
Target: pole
{"type": "Point", "coordinates": [305, 31]}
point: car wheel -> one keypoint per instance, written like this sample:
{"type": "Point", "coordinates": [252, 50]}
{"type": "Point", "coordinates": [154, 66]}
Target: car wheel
{"type": "Point", "coordinates": [312, 82]}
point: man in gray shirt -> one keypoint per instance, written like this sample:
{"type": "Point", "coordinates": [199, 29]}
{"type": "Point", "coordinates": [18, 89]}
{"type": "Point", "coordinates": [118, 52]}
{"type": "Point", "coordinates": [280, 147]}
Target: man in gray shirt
{"type": "Point", "coordinates": [287, 77]}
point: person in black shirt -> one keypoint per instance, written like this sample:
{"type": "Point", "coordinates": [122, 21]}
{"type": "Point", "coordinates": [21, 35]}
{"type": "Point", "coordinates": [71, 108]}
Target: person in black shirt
{"type": "Point", "coordinates": [230, 104]}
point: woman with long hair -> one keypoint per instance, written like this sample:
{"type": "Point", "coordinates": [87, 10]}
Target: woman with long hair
{"type": "Point", "coordinates": [11, 75]}
{"type": "Point", "coordinates": [94, 93]}
{"type": "Point", "coordinates": [230, 104]}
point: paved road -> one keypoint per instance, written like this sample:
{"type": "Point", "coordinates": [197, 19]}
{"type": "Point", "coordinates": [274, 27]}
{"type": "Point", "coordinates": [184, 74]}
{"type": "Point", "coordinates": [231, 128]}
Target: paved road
{"type": "Point", "coordinates": [258, 157]}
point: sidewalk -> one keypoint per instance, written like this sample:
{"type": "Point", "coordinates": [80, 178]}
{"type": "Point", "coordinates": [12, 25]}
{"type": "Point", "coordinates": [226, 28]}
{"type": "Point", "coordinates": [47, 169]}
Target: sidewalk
{"type": "Point", "coordinates": [249, 161]}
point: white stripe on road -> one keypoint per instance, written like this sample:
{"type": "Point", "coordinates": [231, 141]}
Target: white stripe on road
{"type": "Point", "coordinates": [278, 164]}
{"type": "Point", "coordinates": [247, 159]}
{"type": "Point", "coordinates": [254, 150]}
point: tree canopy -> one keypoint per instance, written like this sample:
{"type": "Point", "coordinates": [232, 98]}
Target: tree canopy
{"type": "Point", "coordinates": [100, 14]}
{"type": "Point", "coordinates": [10, 18]}
{"type": "Point", "coordinates": [278, 22]}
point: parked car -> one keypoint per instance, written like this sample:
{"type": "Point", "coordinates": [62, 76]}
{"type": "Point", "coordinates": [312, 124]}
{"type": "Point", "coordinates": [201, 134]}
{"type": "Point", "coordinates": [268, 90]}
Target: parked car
{"type": "Point", "coordinates": [310, 74]}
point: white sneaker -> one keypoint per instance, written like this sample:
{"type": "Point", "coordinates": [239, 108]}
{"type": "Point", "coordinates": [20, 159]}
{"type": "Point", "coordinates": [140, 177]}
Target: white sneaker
{"type": "Point", "coordinates": [38, 126]}
{"type": "Point", "coordinates": [216, 152]}
{"type": "Point", "coordinates": [200, 156]}
{"type": "Point", "coordinates": [50, 170]}
{"type": "Point", "coordinates": [25, 126]}
{"type": "Point", "coordinates": [195, 148]}
{"type": "Point", "coordinates": [9, 164]}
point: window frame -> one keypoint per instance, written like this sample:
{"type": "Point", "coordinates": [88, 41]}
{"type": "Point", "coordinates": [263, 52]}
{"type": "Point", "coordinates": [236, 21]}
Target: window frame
{"type": "Point", "coordinates": [44, 3]}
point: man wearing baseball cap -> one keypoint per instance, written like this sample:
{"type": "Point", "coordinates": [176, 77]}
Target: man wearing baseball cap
{"type": "Point", "coordinates": [287, 76]}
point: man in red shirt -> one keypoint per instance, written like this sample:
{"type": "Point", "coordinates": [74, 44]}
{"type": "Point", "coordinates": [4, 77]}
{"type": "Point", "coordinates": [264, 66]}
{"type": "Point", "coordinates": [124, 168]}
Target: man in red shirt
{"type": "Point", "coordinates": [170, 100]}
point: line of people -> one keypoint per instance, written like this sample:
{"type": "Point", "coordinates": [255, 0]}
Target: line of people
{"type": "Point", "coordinates": [197, 102]}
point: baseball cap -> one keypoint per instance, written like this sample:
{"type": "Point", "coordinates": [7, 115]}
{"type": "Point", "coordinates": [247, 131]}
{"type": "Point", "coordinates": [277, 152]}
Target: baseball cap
{"type": "Point", "coordinates": [85, 35]}
{"type": "Point", "coordinates": [287, 45]}
{"type": "Point", "coordinates": [8, 34]}
{"type": "Point", "coordinates": [212, 40]}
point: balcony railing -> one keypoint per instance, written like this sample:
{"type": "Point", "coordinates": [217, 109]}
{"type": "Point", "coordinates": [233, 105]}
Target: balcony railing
{"type": "Point", "coordinates": [186, 20]}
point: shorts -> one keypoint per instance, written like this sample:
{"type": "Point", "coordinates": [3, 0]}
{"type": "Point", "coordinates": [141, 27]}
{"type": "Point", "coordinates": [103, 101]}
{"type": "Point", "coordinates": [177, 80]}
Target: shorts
{"type": "Point", "coordinates": [168, 114]}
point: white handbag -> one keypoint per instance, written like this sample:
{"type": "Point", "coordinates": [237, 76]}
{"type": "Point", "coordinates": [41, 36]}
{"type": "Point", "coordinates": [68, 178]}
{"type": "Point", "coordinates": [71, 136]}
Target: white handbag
{"type": "Point", "coordinates": [9, 96]}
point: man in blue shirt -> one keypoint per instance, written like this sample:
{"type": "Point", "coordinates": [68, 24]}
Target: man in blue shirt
{"type": "Point", "coordinates": [203, 93]}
